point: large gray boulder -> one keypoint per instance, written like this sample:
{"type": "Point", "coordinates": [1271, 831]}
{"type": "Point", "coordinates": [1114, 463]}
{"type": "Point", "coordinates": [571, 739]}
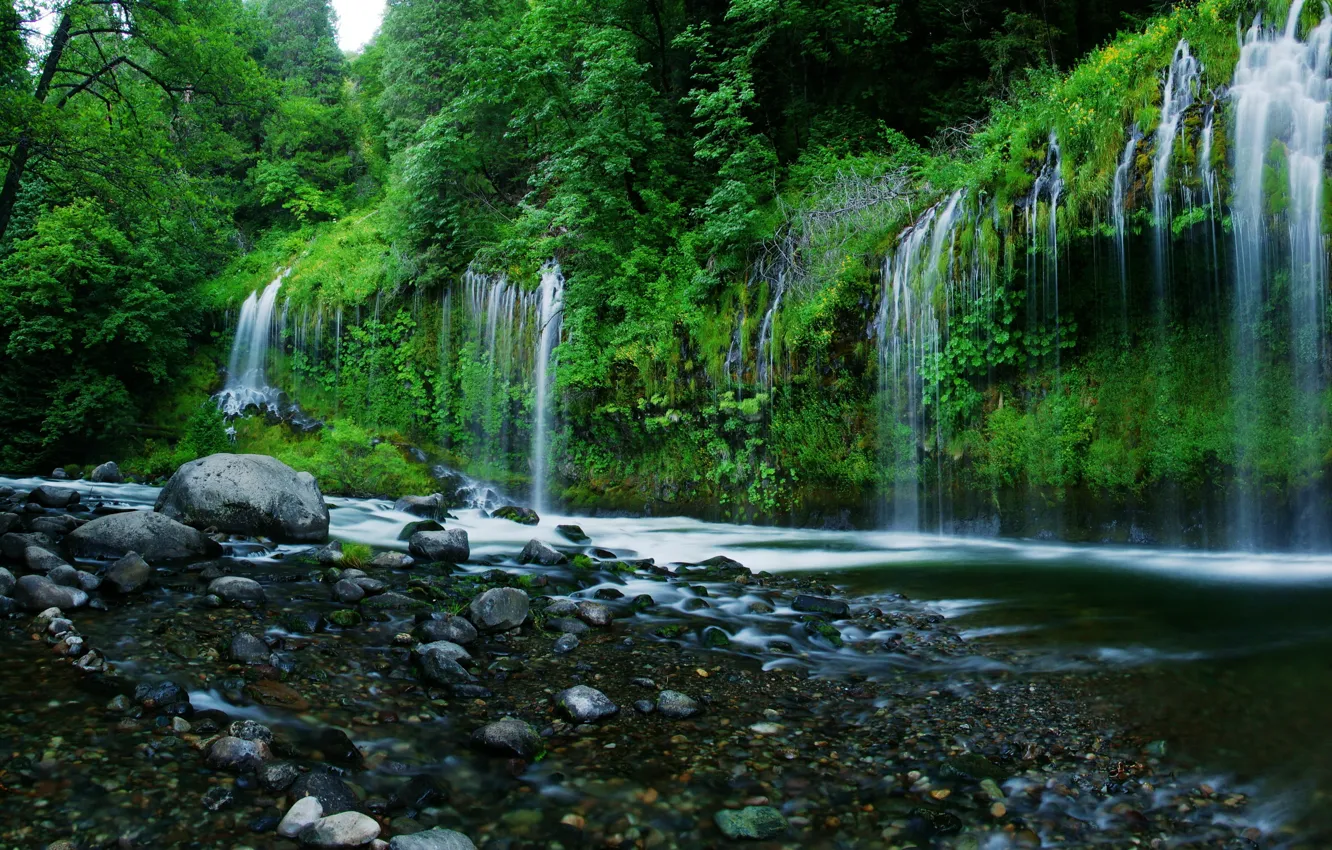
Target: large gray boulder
{"type": "Point", "coordinates": [37, 593]}
{"type": "Point", "coordinates": [54, 497]}
{"type": "Point", "coordinates": [247, 494]}
{"type": "Point", "coordinates": [448, 545]}
{"type": "Point", "coordinates": [154, 536]}
{"type": "Point", "coordinates": [499, 609]}
{"type": "Point", "coordinates": [107, 473]}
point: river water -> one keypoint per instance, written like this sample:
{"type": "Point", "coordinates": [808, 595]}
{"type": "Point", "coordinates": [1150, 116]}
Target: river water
{"type": "Point", "coordinates": [1226, 657]}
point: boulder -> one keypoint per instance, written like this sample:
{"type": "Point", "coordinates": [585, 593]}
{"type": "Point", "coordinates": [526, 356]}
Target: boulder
{"type": "Point", "coordinates": [54, 497]}
{"type": "Point", "coordinates": [131, 573]}
{"type": "Point", "coordinates": [107, 473]}
{"type": "Point", "coordinates": [60, 474]}
{"type": "Point", "coordinates": [821, 605]}
{"type": "Point", "coordinates": [304, 812]}
{"type": "Point", "coordinates": [536, 552]}
{"type": "Point", "coordinates": [248, 649]}
{"type": "Point", "coordinates": [448, 627]}
{"type": "Point", "coordinates": [449, 545]}
{"type": "Point", "coordinates": [420, 525]}
{"type": "Point", "coordinates": [153, 536]}
{"type": "Point", "coordinates": [14, 545]}
{"type": "Point", "coordinates": [572, 533]}
{"type": "Point", "coordinates": [237, 589]}
{"type": "Point", "coordinates": [583, 704]}
{"type": "Point", "coordinates": [429, 507]}
{"type": "Point", "coordinates": [499, 609]}
{"type": "Point", "coordinates": [348, 592]}
{"type": "Point", "coordinates": [513, 513]}
{"type": "Point", "coordinates": [247, 494]}
{"type": "Point", "coordinates": [439, 663]}
{"type": "Point", "coordinates": [510, 736]}
{"type": "Point", "coordinates": [9, 522]}
{"type": "Point", "coordinates": [676, 706]}
{"type": "Point", "coordinates": [432, 839]}
{"type": "Point", "coordinates": [37, 593]}
{"type": "Point", "coordinates": [55, 526]}
{"type": "Point", "coordinates": [594, 614]}
{"type": "Point", "coordinates": [39, 560]}
{"type": "Point", "coordinates": [332, 793]}
{"type": "Point", "coordinates": [237, 754]}
{"type": "Point", "coordinates": [7, 582]}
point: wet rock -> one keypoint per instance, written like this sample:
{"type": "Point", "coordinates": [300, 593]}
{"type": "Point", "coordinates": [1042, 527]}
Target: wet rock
{"type": "Point", "coordinates": [14, 544]}
{"type": "Point", "coordinates": [107, 473]}
{"type": "Point", "coordinates": [572, 533]}
{"type": "Point", "coordinates": [41, 560]}
{"type": "Point", "coordinates": [642, 602]}
{"type": "Point", "coordinates": [239, 590]}
{"type": "Point", "coordinates": [8, 523]}
{"type": "Point", "coordinates": [568, 626]}
{"type": "Point", "coordinates": [330, 554]}
{"type": "Point", "coordinates": [237, 755]}
{"type": "Point", "coordinates": [583, 704]}
{"type": "Point", "coordinates": [394, 602]}
{"type": "Point", "coordinates": [754, 822]}
{"type": "Point", "coordinates": [449, 545]}
{"type": "Point", "coordinates": [973, 767]}
{"type": "Point", "coordinates": [303, 813]}
{"type": "Point", "coordinates": [440, 663]}
{"type": "Point", "coordinates": [716, 637]}
{"type": "Point", "coordinates": [54, 497]}
{"type": "Point", "coordinates": [130, 574]}
{"type": "Point", "coordinates": [821, 605]}
{"type": "Point", "coordinates": [509, 736]}
{"type": "Point", "coordinates": [37, 593]}
{"type": "Point", "coordinates": [514, 513]}
{"type": "Point", "coordinates": [249, 730]}
{"type": "Point", "coordinates": [275, 693]}
{"type": "Point", "coordinates": [928, 823]}
{"type": "Point", "coordinates": [347, 829]}
{"type": "Point", "coordinates": [345, 619]}
{"type": "Point", "coordinates": [565, 644]}
{"type": "Point", "coordinates": [161, 696]}
{"type": "Point", "coordinates": [594, 614]}
{"type": "Point", "coordinates": [336, 747]}
{"type": "Point", "coordinates": [536, 552]}
{"type": "Point", "coordinates": [55, 526]}
{"type": "Point", "coordinates": [64, 575]}
{"type": "Point", "coordinates": [423, 525]}
{"type": "Point", "coordinates": [247, 494]}
{"type": "Point", "coordinates": [644, 706]}
{"type": "Point", "coordinates": [609, 593]}
{"type": "Point", "coordinates": [217, 799]}
{"type": "Point", "coordinates": [391, 561]}
{"type": "Point", "coordinates": [348, 592]}
{"type": "Point", "coordinates": [447, 627]}
{"type": "Point", "coordinates": [676, 706]}
{"type": "Point", "coordinates": [7, 582]}
{"type": "Point", "coordinates": [499, 609]}
{"type": "Point", "coordinates": [432, 839]}
{"type": "Point", "coordinates": [424, 506]}
{"type": "Point", "coordinates": [418, 792]}
{"type": "Point", "coordinates": [248, 649]}
{"type": "Point", "coordinates": [155, 537]}
{"type": "Point", "coordinates": [369, 586]}
{"type": "Point", "coordinates": [60, 474]}
{"type": "Point", "coordinates": [278, 776]}
{"type": "Point", "coordinates": [332, 793]}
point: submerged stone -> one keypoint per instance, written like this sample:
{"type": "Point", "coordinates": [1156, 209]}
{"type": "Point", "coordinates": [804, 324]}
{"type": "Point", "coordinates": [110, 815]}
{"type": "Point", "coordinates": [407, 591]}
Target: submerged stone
{"type": "Point", "coordinates": [753, 822]}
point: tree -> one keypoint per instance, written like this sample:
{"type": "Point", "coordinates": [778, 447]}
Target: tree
{"type": "Point", "coordinates": [302, 48]}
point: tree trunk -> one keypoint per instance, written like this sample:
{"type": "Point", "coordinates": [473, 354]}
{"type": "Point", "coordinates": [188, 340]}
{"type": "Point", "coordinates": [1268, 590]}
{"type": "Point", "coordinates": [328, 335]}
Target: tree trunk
{"type": "Point", "coordinates": [23, 150]}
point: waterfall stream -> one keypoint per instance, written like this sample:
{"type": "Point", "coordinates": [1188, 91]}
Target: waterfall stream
{"type": "Point", "coordinates": [247, 380]}
{"type": "Point", "coordinates": [550, 320]}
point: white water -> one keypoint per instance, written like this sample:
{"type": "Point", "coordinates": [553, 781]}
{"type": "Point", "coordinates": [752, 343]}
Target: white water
{"type": "Point", "coordinates": [247, 381]}
{"type": "Point", "coordinates": [777, 285]}
{"type": "Point", "coordinates": [1118, 213]}
{"type": "Point", "coordinates": [1043, 251]}
{"type": "Point", "coordinates": [1181, 88]}
{"type": "Point", "coordinates": [550, 317]}
{"type": "Point", "coordinates": [1280, 100]}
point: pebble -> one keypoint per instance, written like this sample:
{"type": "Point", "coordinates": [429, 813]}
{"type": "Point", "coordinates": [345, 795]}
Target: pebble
{"type": "Point", "coordinates": [566, 644]}
{"type": "Point", "coordinates": [583, 704]}
{"type": "Point", "coordinates": [432, 839]}
{"type": "Point", "coordinates": [303, 813]}
{"type": "Point", "coordinates": [347, 829]}
{"type": "Point", "coordinates": [676, 706]}
{"type": "Point", "coordinates": [509, 736]}
{"type": "Point", "coordinates": [755, 822]}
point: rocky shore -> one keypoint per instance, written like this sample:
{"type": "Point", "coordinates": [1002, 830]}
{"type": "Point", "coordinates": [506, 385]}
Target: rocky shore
{"type": "Point", "coordinates": [220, 691]}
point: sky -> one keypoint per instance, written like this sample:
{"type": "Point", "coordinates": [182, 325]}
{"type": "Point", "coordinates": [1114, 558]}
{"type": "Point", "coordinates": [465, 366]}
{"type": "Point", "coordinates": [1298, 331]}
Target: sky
{"type": "Point", "coordinates": [357, 21]}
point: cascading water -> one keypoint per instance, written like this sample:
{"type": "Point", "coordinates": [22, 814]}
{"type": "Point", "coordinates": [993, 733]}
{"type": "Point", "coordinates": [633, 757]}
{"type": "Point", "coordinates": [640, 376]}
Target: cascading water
{"type": "Point", "coordinates": [1280, 99]}
{"type": "Point", "coordinates": [550, 319]}
{"type": "Point", "coordinates": [1119, 213]}
{"type": "Point", "coordinates": [495, 342]}
{"type": "Point", "coordinates": [1043, 251]}
{"type": "Point", "coordinates": [777, 285]}
{"type": "Point", "coordinates": [1181, 88]}
{"type": "Point", "coordinates": [247, 381]}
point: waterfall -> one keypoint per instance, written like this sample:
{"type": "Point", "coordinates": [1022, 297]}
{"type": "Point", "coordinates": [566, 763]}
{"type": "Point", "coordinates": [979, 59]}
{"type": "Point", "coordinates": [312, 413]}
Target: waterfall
{"type": "Point", "coordinates": [1043, 253]}
{"type": "Point", "coordinates": [777, 280]}
{"type": "Point", "coordinates": [550, 318]}
{"type": "Point", "coordinates": [247, 382]}
{"type": "Point", "coordinates": [1118, 213]}
{"type": "Point", "coordinates": [910, 330]}
{"type": "Point", "coordinates": [1180, 89]}
{"type": "Point", "coordinates": [1280, 99]}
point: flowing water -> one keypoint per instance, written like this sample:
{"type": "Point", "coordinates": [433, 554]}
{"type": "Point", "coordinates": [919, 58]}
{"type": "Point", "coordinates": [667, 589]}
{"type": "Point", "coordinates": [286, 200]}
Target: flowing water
{"type": "Point", "coordinates": [550, 319]}
{"type": "Point", "coordinates": [247, 380]}
{"type": "Point", "coordinates": [1119, 214]}
{"type": "Point", "coordinates": [1181, 88]}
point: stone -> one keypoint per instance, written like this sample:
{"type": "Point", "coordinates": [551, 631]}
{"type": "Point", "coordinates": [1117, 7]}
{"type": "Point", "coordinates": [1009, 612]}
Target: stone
{"type": "Point", "coordinates": [644, 706]}
{"type": "Point", "coordinates": [161, 696]}
{"type": "Point", "coordinates": [347, 829]}
{"type": "Point", "coordinates": [391, 561]}
{"type": "Point", "coordinates": [54, 497]}
{"type": "Point", "coordinates": [565, 644]}
{"type": "Point", "coordinates": [336, 747]}
{"type": "Point", "coordinates": [821, 605]}
{"type": "Point", "coordinates": [421, 525]}
{"type": "Point", "coordinates": [107, 473]}
{"type": "Point", "coordinates": [432, 839]}
{"type": "Point", "coordinates": [279, 776]}
{"type": "Point", "coordinates": [254, 495]}
{"type": "Point", "coordinates": [9, 522]}
{"type": "Point", "coordinates": [348, 592]}
{"type": "Point", "coordinates": [429, 507]}
{"type": "Point", "coordinates": [303, 813]}
{"type": "Point", "coordinates": [60, 474]}
{"type": "Point", "coordinates": [64, 575]}
{"type": "Point", "coordinates": [583, 704]}
{"type": "Point", "coordinates": [218, 798]}
{"type": "Point", "coordinates": [14, 544]}
{"type": "Point", "coordinates": [394, 602]}
{"type": "Point", "coordinates": [449, 545]}
{"type": "Point", "coordinates": [37, 593]}
{"type": "Point", "coordinates": [275, 693]}
{"type": "Point", "coordinates": [248, 649]}
{"type": "Point", "coordinates": [536, 552]}
{"type": "Point", "coordinates": [572, 533]}
{"type": "Point", "coordinates": [440, 663]}
{"type": "Point", "coordinates": [7, 582]}
{"type": "Point", "coordinates": [509, 736]}
{"type": "Point", "coordinates": [499, 609]}
{"type": "Point", "coordinates": [155, 537]}
{"type": "Point", "coordinates": [332, 793]}
{"type": "Point", "coordinates": [754, 822]}
{"type": "Point", "coordinates": [237, 754]}
{"type": "Point", "coordinates": [55, 526]}
{"type": "Point", "coordinates": [716, 637]}
{"type": "Point", "coordinates": [369, 586]}
{"type": "Point", "coordinates": [594, 614]}
{"type": "Point", "coordinates": [447, 627]}
{"type": "Point", "coordinates": [237, 589]}
{"type": "Point", "coordinates": [676, 706]}
{"type": "Point", "coordinates": [41, 560]}
{"type": "Point", "coordinates": [514, 513]}
{"type": "Point", "coordinates": [130, 574]}
{"type": "Point", "coordinates": [330, 554]}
